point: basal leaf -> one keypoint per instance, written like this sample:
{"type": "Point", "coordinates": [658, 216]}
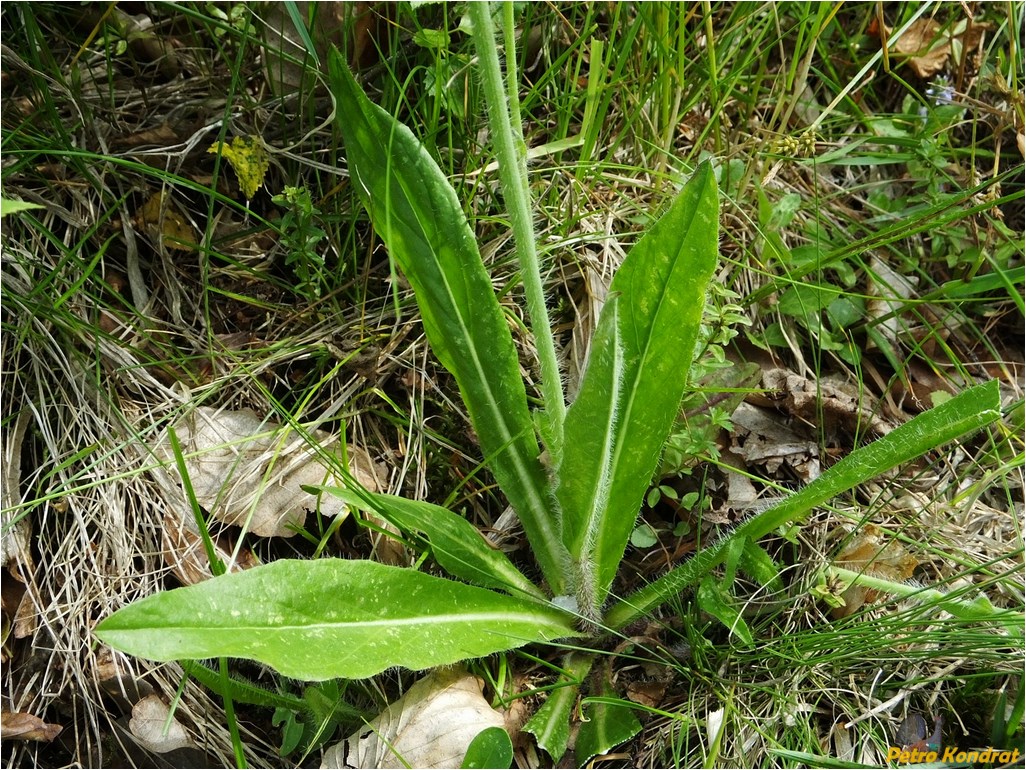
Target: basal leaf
{"type": "Point", "coordinates": [635, 379]}
{"type": "Point", "coordinates": [415, 211]}
{"type": "Point", "coordinates": [608, 722]}
{"type": "Point", "coordinates": [550, 724]}
{"type": "Point", "coordinates": [965, 413]}
{"type": "Point", "coordinates": [455, 542]}
{"type": "Point", "coordinates": [331, 618]}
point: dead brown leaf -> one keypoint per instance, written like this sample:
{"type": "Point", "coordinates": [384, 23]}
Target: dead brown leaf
{"type": "Point", "coordinates": [926, 51]}
{"type": "Point", "coordinates": [927, 45]}
{"type": "Point", "coordinates": [185, 551]}
{"type": "Point", "coordinates": [19, 726]}
{"type": "Point", "coordinates": [874, 553]}
{"type": "Point", "coordinates": [158, 136]}
{"type": "Point", "coordinates": [830, 399]}
{"type": "Point", "coordinates": [119, 683]}
{"type": "Point", "coordinates": [15, 542]}
{"type": "Point", "coordinates": [761, 437]}
{"type": "Point", "coordinates": [161, 219]}
{"type": "Point", "coordinates": [649, 694]}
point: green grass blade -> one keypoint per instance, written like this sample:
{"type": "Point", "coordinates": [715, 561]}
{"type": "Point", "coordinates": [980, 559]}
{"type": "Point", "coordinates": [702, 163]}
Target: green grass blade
{"type": "Point", "coordinates": [966, 413]}
{"type": "Point", "coordinates": [331, 618]}
{"type": "Point", "coordinates": [304, 34]}
{"type": "Point", "coordinates": [455, 542]}
{"type": "Point", "coordinates": [635, 379]}
{"type": "Point", "coordinates": [415, 211]}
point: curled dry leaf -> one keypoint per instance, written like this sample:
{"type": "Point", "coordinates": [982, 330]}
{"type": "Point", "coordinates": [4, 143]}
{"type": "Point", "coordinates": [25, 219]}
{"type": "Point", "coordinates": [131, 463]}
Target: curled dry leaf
{"type": "Point", "coordinates": [648, 694]}
{"type": "Point", "coordinates": [19, 726]}
{"type": "Point", "coordinates": [249, 472]}
{"type": "Point", "coordinates": [155, 729]}
{"type": "Point", "coordinates": [430, 726]}
{"type": "Point", "coordinates": [596, 289]}
{"type": "Point", "coordinates": [926, 50]}
{"type": "Point", "coordinates": [890, 291]}
{"type": "Point", "coordinates": [158, 136]}
{"type": "Point", "coordinates": [874, 554]}
{"type": "Point", "coordinates": [844, 749]}
{"type": "Point", "coordinates": [831, 399]}
{"type": "Point", "coordinates": [713, 726]}
{"type": "Point", "coordinates": [761, 437]}
{"type": "Point", "coordinates": [19, 612]}
{"type": "Point", "coordinates": [17, 529]}
{"type": "Point", "coordinates": [185, 552]}
{"type": "Point", "coordinates": [928, 46]}
{"type": "Point", "coordinates": [118, 682]}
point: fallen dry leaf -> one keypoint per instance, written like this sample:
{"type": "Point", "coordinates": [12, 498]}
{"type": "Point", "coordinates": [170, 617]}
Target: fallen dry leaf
{"type": "Point", "coordinates": [844, 749]}
{"type": "Point", "coordinates": [18, 726]}
{"type": "Point", "coordinates": [249, 472]}
{"type": "Point", "coordinates": [927, 45]}
{"type": "Point", "coordinates": [888, 288]}
{"type": "Point", "coordinates": [927, 52]}
{"type": "Point", "coordinates": [155, 729]}
{"type": "Point", "coordinates": [875, 554]}
{"type": "Point", "coordinates": [186, 554]}
{"type": "Point", "coordinates": [430, 726]}
{"type": "Point", "coordinates": [159, 136]}
{"type": "Point", "coordinates": [161, 219]}
{"type": "Point", "coordinates": [761, 437]}
{"type": "Point", "coordinates": [17, 528]}
{"type": "Point", "coordinates": [831, 399]}
{"type": "Point", "coordinates": [595, 290]}
{"type": "Point", "coordinates": [649, 694]}
{"type": "Point", "coordinates": [118, 682]}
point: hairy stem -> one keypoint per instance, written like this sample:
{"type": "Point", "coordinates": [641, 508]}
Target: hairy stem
{"type": "Point", "coordinates": [512, 156]}
{"type": "Point", "coordinates": [979, 610]}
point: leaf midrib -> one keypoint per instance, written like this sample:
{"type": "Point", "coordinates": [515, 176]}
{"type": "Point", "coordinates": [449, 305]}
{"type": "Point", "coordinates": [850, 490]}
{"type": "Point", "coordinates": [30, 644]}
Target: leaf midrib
{"type": "Point", "coordinates": [450, 618]}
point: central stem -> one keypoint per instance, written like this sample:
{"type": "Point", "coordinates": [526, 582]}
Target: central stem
{"type": "Point", "coordinates": [512, 156]}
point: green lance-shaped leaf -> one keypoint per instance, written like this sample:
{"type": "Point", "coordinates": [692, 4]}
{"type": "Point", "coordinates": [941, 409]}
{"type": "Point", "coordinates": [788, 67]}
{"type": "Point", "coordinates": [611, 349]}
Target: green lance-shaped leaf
{"type": "Point", "coordinates": [550, 724]}
{"type": "Point", "coordinates": [635, 379]}
{"type": "Point", "coordinates": [608, 722]}
{"type": "Point", "coordinates": [456, 543]}
{"type": "Point", "coordinates": [415, 211]}
{"type": "Point", "coordinates": [965, 413]}
{"type": "Point", "coordinates": [331, 618]}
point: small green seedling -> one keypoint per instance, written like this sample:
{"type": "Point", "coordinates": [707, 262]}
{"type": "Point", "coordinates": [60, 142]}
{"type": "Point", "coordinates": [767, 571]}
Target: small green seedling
{"type": "Point", "coordinates": [331, 618]}
{"type": "Point", "coordinates": [300, 237]}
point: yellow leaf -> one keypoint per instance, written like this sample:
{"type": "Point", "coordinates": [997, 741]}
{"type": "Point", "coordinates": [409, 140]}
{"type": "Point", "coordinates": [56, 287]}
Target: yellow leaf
{"type": "Point", "coordinates": [247, 156]}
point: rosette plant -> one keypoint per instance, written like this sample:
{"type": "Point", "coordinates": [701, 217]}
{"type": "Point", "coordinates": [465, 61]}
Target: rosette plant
{"type": "Point", "coordinates": [575, 475]}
